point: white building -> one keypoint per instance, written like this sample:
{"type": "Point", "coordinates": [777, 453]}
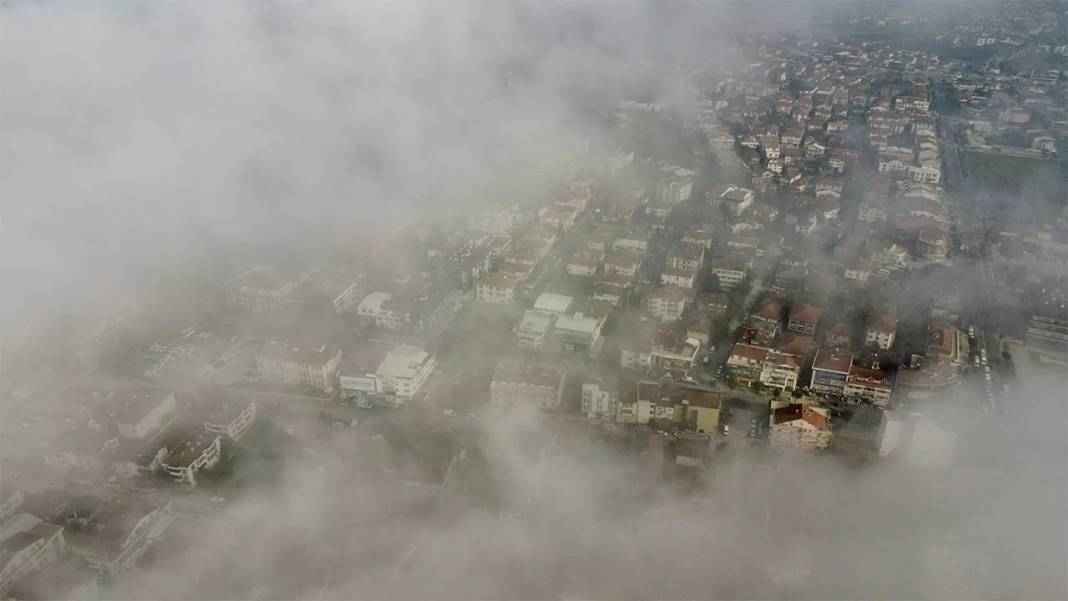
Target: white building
{"type": "Point", "coordinates": [142, 414]}
{"type": "Point", "coordinates": [669, 303]}
{"type": "Point", "coordinates": [534, 328]}
{"type": "Point", "coordinates": [780, 370]}
{"type": "Point", "coordinates": [600, 400]}
{"type": "Point", "coordinates": [28, 551]}
{"type": "Point", "coordinates": [881, 332]}
{"type": "Point", "coordinates": [498, 288]}
{"type": "Point", "coordinates": [232, 418]}
{"type": "Point", "coordinates": [554, 303]}
{"type": "Point", "coordinates": [304, 365]}
{"type": "Point", "coordinates": [519, 383]}
{"type": "Point", "coordinates": [199, 453]}
{"type": "Point", "coordinates": [404, 371]}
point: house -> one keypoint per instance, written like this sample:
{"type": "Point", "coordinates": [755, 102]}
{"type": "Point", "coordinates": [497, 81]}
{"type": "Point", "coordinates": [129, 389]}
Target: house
{"type": "Point", "coordinates": [533, 328]}
{"type": "Point", "coordinates": [674, 353]}
{"type": "Point", "coordinates": [610, 288]}
{"type": "Point", "coordinates": [679, 276]}
{"type": "Point", "coordinates": [88, 448]}
{"type": "Point", "coordinates": [800, 427]}
{"type": "Point", "coordinates": [669, 302]}
{"type": "Point", "coordinates": [498, 288]}
{"type": "Point", "coordinates": [765, 320]}
{"type": "Point", "coordinates": [585, 262]}
{"type": "Point", "coordinates": [229, 415]}
{"type": "Point", "coordinates": [746, 362]}
{"type": "Point", "coordinates": [700, 407]}
{"type": "Point", "coordinates": [120, 534]}
{"type": "Point", "coordinates": [729, 271]}
{"type": "Point", "coordinates": [830, 369]}
{"type": "Point", "coordinates": [737, 200]}
{"type": "Point", "coordinates": [623, 262]}
{"type": "Point", "coordinates": [780, 370]}
{"type": "Point", "coordinates": [869, 212]}
{"type": "Point", "coordinates": [522, 383]}
{"type": "Point", "coordinates": [686, 256]}
{"type": "Point", "coordinates": [28, 551]}
{"type": "Point", "coordinates": [698, 236]}
{"type": "Point", "coordinates": [838, 336]}
{"type": "Point", "coordinates": [200, 452]}
{"type": "Point", "coordinates": [871, 386]}
{"type": "Point", "coordinates": [715, 303]}
{"type": "Point", "coordinates": [880, 332]}
{"type": "Point", "coordinates": [577, 333]}
{"type": "Point", "coordinates": [635, 345]}
{"type": "Point", "coordinates": [676, 187]}
{"type": "Point", "coordinates": [600, 398]}
{"type": "Point", "coordinates": [141, 414]}
{"type": "Point", "coordinates": [404, 371]}
{"type": "Point", "coordinates": [305, 364]}
{"type": "Point", "coordinates": [796, 344]}
{"type": "Point", "coordinates": [860, 271]}
{"type": "Point", "coordinates": [633, 239]}
{"type": "Point", "coordinates": [804, 318]}
{"type": "Point", "coordinates": [553, 303]}
{"type": "Point", "coordinates": [500, 223]}
{"type": "Point", "coordinates": [263, 290]}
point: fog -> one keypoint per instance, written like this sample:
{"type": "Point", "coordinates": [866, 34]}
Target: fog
{"type": "Point", "coordinates": [151, 150]}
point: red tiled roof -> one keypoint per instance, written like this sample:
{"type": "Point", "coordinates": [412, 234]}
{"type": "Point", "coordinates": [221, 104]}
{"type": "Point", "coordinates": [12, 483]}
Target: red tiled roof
{"type": "Point", "coordinates": [750, 352]}
{"type": "Point", "coordinates": [806, 313]}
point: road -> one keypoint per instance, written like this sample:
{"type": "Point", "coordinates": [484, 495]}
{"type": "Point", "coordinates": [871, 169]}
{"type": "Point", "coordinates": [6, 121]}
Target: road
{"type": "Point", "coordinates": [966, 215]}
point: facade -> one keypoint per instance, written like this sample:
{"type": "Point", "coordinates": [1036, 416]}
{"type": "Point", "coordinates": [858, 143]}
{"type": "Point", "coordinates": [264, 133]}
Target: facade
{"type": "Point", "coordinates": [678, 276]}
{"type": "Point", "coordinates": [308, 365]}
{"type": "Point", "coordinates": [520, 383]}
{"type": "Point", "coordinates": [404, 370]}
{"type": "Point", "coordinates": [830, 369]}
{"type": "Point", "coordinates": [577, 333]}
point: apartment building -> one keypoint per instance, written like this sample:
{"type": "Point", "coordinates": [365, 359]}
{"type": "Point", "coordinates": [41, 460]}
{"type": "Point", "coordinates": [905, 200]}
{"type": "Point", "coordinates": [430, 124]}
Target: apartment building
{"type": "Point", "coordinates": [299, 364]}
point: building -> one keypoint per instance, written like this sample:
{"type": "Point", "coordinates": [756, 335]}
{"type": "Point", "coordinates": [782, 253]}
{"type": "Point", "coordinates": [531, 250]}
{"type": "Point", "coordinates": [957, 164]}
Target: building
{"type": "Point", "coordinates": [686, 256]}
{"type": "Point", "coordinates": [533, 328]}
{"type": "Point", "coordinates": [498, 288]}
{"type": "Point", "coordinates": [780, 370]}
{"type": "Point", "coordinates": [804, 319]}
{"type": "Point", "coordinates": [669, 302]}
{"type": "Point", "coordinates": [681, 277]}
{"type": "Point", "coordinates": [676, 188]}
{"type": "Point", "coordinates": [120, 534]}
{"type": "Point", "coordinates": [880, 332]}
{"type": "Point", "coordinates": [746, 363]}
{"type": "Point", "coordinates": [800, 427]}
{"type": "Point", "coordinates": [312, 365]}
{"type": "Point", "coordinates": [88, 448]}
{"type": "Point", "coordinates": [729, 272]}
{"type": "Point", "coordinates": [28, 551]}
{"type": "Point", "coordinates": [200, 452]}
{"type": "Point", "coordinates": [405, 370]}
{"type": "Point", "coordinates": [499, 223]}
{"type": "Point", "coordinates": [871, 386]}
{"type": "Point", "coordinates": [522, 383]}
{"type": "Point", "coordinates": [830, 369]}
{"type": "Point", "coordinates": [1048, 327]}
{"type": "Point", "coordinates": [736, 200]}
{"type": "Point", "coordinates": [263, 290]}
{"type": "Point", "coordinates": [230, 416]}
{"type": "Point", "coordinates": [600, 398]}
{"type": "Point", "coordinates": [142, 414]}
{"type": "Point", "coordinates": [674, 353]}
{"type": "Point", "coordinates": [577, 333]}
{"type": "Point", "coordinates": [553, 303]}
{"type": "Point", "coordinates": [765, 320]}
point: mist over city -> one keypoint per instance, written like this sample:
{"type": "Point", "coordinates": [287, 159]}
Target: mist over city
{"type": "Point", "coordinates": [533, 300]}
